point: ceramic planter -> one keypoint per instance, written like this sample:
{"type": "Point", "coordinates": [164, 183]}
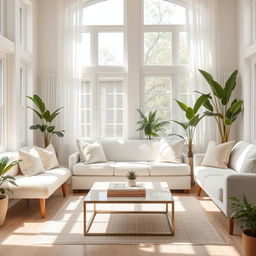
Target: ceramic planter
{"type": "Point", "coordinates": [249, 243]}
{"type": "Point", "coordinates": [131, 183]}
{"type": "Point", "coordinates": [3, 208]}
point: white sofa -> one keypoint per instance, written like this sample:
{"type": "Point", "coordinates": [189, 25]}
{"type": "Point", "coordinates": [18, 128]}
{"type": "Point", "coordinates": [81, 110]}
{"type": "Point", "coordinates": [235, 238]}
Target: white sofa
{"type": "Point", "coordinates": [40, 186]}
{"type": "Point", "coordinates": [125, 155]}
{"type": "Point", "coordinates": [222, 184]}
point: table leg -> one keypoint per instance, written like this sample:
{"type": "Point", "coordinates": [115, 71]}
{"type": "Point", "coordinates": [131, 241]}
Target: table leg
{"type": "Point", "coordinates": [84, 218]}
{"type": "Point", "coordinates": [173, 221]}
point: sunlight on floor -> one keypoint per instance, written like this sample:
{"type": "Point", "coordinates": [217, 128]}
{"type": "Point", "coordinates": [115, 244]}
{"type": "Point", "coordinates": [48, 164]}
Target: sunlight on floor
{"type": "Point", "coordinates": [209, 206]}
{"type": "Point", "coordinates": [215, 250]}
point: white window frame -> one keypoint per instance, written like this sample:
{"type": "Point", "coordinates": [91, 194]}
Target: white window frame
{"type": "Point", "coordinates": [23, 25]}
{"type": "Point", "coordinates": [3, 129]}
{"type": "Point", "coordinates": [23, 81]}
{"type": "Point", "coordinates": [2, 16]}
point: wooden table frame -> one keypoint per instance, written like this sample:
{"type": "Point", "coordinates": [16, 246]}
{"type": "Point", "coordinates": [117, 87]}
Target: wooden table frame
{"type": "Point", "coordinates": [95, 211]}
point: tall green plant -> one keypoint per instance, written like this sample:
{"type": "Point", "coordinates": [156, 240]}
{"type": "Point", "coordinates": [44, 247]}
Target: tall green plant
{"type": "Point", "coordinates": [219, 104]}
{"type": "Point", "coordinates": [151, 125]}
{"type": "Point", "coordinates": [245, 213]}
{"type": "Point", "coordinates": [4, 168]}
{"type": "Point", "coordinates": [193, 119]}
{"type": "Point", "coordinates": [47, 129]}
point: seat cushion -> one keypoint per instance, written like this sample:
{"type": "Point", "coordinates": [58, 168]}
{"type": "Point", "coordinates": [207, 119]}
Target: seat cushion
{"type": "Point", "coordinates": [141, 168]}
{"type": "Point", "coordinates": [39, 186]}
{"type": "Point", "coordinates": [201, 173]}
{"type": "Point", "coordinates": [96, 169]}
{"type": "Point", "coordinates": [168, 169]}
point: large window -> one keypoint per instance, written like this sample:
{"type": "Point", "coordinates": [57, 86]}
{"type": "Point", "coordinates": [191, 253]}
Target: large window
{"type": "Point", "coordinates": [162, 63]}
{"type": "Point", "coordinates": [165, 57]}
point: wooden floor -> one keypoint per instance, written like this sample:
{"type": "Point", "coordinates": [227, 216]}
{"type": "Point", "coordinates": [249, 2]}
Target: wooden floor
{"type": "Point", "coordinates": [23, 222]}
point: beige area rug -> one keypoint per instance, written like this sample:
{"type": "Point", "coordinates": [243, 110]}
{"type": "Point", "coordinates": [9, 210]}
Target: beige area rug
{"type": "Point", "coordinates": [192, 225]}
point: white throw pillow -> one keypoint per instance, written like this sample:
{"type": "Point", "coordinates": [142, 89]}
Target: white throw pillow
{"type": "Point", "coordinates": [31, 163]}
{"type": "Point", "coordinates": [48, 157]}
{"type": "Point", "coordinates": [218, 155]}
{"type": "Point", "coordinates": [243, 157]}
{"type": "Point", "coordinates": [93, 152]}
{"type": "Point", "coordinates": [171, 151]}
{"type": "Point", "coordinates": [79, 143]}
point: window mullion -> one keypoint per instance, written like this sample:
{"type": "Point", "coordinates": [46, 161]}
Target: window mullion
{"type": "Point", "coordinates": [175, 47]}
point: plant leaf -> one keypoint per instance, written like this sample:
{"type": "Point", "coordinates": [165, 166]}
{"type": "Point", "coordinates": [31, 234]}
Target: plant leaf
{"type": "Point", "coordinates": [182, 105]}
{"type": "Point", "coordinates": [190, 113]}
{"type": "Point", "coordinates": [229, 87]}
{"type": "Point", "coordinates": [199, 102]}
{"type": "Point", "coordinates": [184, 125]}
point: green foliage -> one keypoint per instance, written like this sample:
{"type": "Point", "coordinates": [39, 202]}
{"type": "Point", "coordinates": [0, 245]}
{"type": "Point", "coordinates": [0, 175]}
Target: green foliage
{"type": "Point", "coordinates": [4, 168]}
{"type": "Point", "coordinates": [46, 118]}
{"type": "Point", "coordinates": [245, 213]}
{"type": "Point", "coordinates": [151, 125]}
{"type": "Point", "coordinates": [131, 175]}
{"type": "Point", "coordinates": [193, 119]}
{"type": "Point", "coordinates": [218, 103]}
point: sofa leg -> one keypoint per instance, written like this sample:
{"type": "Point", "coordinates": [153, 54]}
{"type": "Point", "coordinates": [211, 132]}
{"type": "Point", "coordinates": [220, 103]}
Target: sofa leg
{"type": "Point", "coordinates": [42, 207]}
{"type": "Point", "coordinates": [75, 191]}
{"type": "Point", "coordinates": [199, 189]}
{"type": "Point", "coordinates": [64, 189]}
{"type": "Point", "coordinates": [231, 225]}
{"type": "Point", "coordinates": [186, 191]}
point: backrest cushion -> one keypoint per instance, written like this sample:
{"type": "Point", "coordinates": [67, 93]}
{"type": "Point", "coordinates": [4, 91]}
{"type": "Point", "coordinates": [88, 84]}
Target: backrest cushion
{"type": "Point", "coordinates": [170, 151]}
{"type": "Point", "coordinates": [79, 143]}
{"type": "Point", "coordinates": [243, 157]}
{"type": "Point", "coordinates": [13, 156]}
{"type": "Point", "coordinates": [131, 150]}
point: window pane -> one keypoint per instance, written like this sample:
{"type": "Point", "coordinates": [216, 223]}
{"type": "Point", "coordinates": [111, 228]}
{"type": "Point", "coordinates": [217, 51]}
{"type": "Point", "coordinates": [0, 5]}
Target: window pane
{"type": "Point", "coordinates": [158, 96]}
{"type": "Point", "coordinates": [163, 12]}
{"type": "Point", "coordinates": [111, 49]}
{"type": "Point", "coordinates": [157, 48]}
{"type": "Point", "coordinates": [85, 118]}
{"type": "Point", "coordinates": [86, 49]}
{"type": "Point", "coordinates": [112, 108]}
{"type": "Point", "coordinates": [183, 51]}
{"type": "Point", "coordinates": [104, 13]}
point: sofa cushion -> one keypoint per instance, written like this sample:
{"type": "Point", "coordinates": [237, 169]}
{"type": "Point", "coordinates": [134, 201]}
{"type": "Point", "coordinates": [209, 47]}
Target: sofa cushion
{"type": "Point", "coordinates": [141, 168]}
{"type": "Point", "coordinates": [96, 169]}
{"type": "Point", "coordinates": [168, 169]}
{"type": "Point", "coordinates": [243, 157]}
{"type": "Point", "coordinates": [201, 173]}
{"type": "Point", "coordinates": [214, 186]}
{"type": "Point", "coordinates": [218, 155]}
{"type": "Point", "coordinates": [170, 151]}
{"type": "Point", "coordinates": [39, 186]}
{"type": "Point", "coordinates": [131, 150]}
{"type": "Point", "coordinates": [13, 156]}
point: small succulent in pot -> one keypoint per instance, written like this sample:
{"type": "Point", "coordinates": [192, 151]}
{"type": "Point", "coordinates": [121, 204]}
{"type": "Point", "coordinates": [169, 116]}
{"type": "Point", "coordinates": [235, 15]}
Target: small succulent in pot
{"type": "Point", "coordinates": [131, 178]}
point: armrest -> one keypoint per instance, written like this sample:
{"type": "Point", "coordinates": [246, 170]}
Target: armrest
{"type": "Point", "coordinates": [238, 185]}
{"type": "Point", "coordinates": [198, 159]}
{"type": "Point", "coordinates": [185, 159]}
{"type": "Point", "coordinates": [72, 160]}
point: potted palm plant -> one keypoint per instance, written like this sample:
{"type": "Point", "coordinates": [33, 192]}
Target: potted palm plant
{"type": "Point", "coordinates": [245, 213]}
{"type": "Point", "coordinates": [4, 168]}
{"type": "Point", "coordinates": [131, 178]}
{"type": "Point", "coordinates": [151, 125]}
{"type": "Point", "coordinates": [47, 129]}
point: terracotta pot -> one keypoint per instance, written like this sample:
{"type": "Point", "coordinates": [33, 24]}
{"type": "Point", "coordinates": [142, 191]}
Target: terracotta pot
{"type": "Point", "coordinates": [131, 183]}
{"type": "Point", "coordinates": [3, 208]}
{"type": "Point", "coordinates": [249, 243]}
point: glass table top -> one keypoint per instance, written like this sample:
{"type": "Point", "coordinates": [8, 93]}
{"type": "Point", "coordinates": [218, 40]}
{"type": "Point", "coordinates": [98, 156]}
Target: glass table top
{"type": "Point", "coordinates": [156, 192]}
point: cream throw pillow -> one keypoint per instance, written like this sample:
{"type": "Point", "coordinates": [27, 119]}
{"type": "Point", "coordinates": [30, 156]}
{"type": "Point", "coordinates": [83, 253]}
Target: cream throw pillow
{"type": "Point", "coordinates": [218, 155]}
{"type": "Point", "coordinates": [93, 152]}
{"type": "Point", "coordinates": [31, 163]}
{"type": "Point", "coordinates": [171, 151]}
{"type": "Point", "coordinates": [48, 157]}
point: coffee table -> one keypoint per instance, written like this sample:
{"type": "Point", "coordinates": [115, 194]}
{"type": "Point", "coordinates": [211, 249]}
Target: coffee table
{"type": "Point", "coordinates": [156, 193]}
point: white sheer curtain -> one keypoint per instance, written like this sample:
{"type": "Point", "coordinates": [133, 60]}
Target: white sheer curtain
{"type": "Point", "coordinates": [68, 86]}
{"type": "Point", "coordinates": [202, 21]}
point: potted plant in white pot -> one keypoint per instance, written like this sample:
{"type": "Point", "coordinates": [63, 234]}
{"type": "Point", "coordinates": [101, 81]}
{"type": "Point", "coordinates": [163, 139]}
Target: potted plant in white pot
{"type": "Point", "coordinates": [5, 166]}
{"type": "Point", "coordinates": [245, 214]}
{"type": "Point", "coordinates": [131, 178]}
